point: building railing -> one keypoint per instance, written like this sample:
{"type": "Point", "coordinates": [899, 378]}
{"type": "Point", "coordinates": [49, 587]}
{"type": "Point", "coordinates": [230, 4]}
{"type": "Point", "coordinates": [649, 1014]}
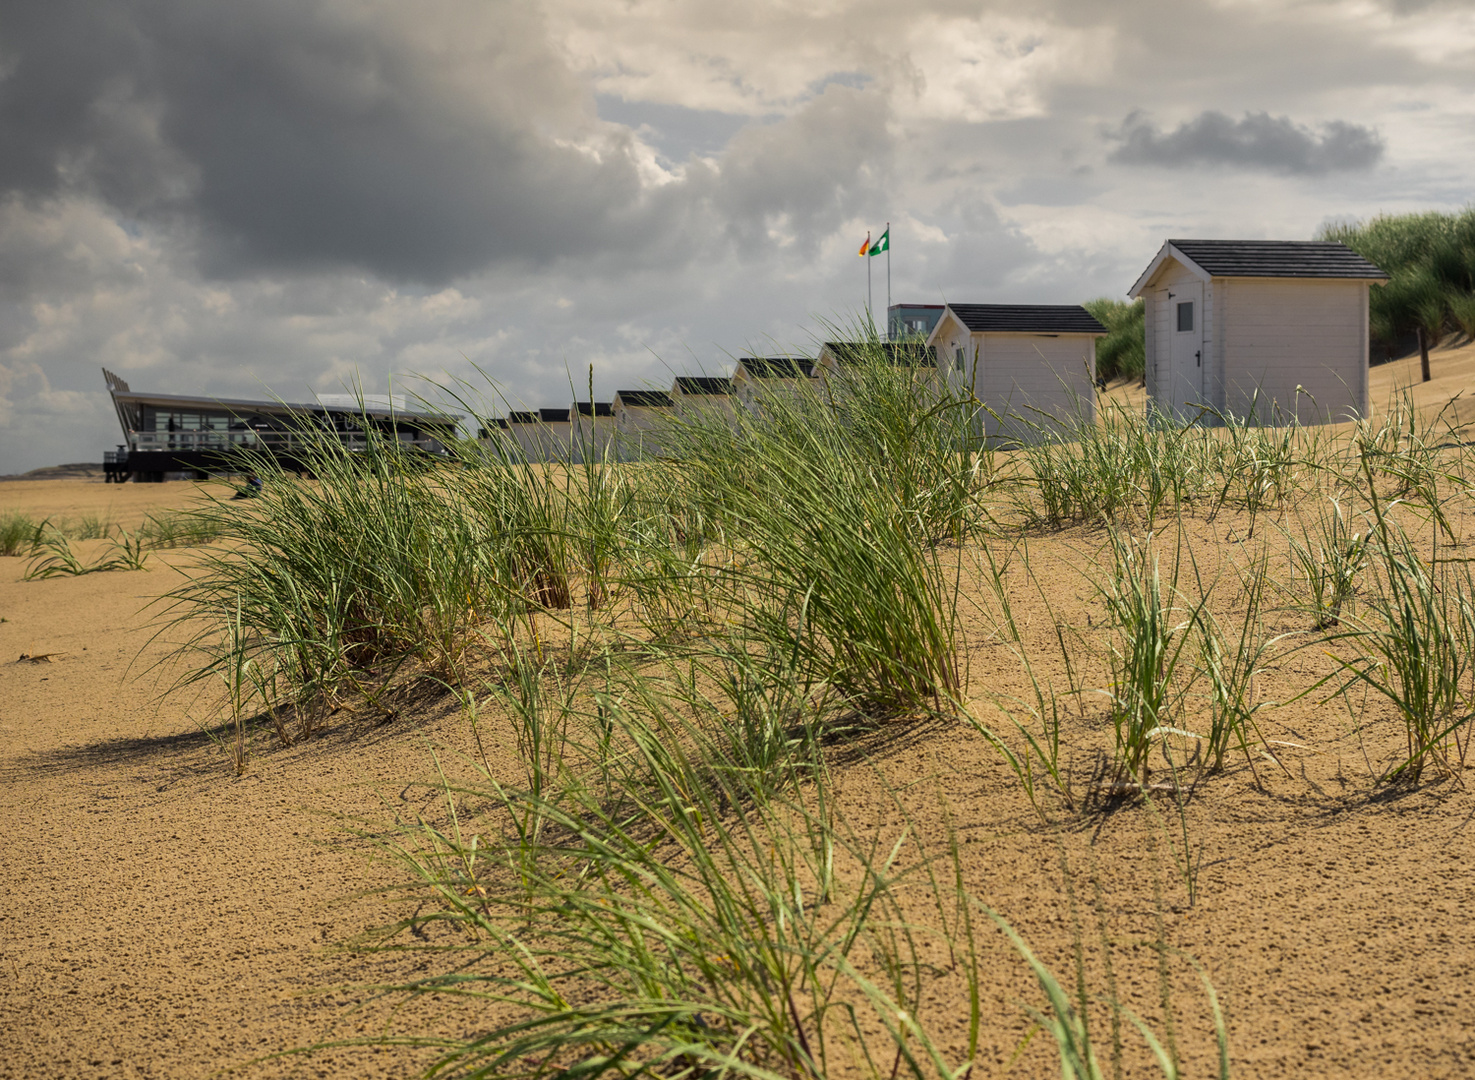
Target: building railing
{"type": "Point", "coordinates": [277, 441]}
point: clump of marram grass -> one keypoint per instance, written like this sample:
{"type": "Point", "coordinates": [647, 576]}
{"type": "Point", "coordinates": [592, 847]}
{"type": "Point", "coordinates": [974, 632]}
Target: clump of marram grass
{"type": "Point", "coordinates": [1330, 555]}
{"type": "Point", "coordinates": [181, 528]}
{"type": "Point", "coordinates": [55, 557]}
{"type": "Point", "coordinates": [829, 509]}
{"type": "Point", "coordinates": [1153, 627]}
{"type": "Point", "coordinates": [1418, 625]}
{"type": "Point", "coordinates": [19, 533]}
{"type": "Point", "coordinates": [826, 516]}
{"type": "Point", "coordinates": [1111, 465]}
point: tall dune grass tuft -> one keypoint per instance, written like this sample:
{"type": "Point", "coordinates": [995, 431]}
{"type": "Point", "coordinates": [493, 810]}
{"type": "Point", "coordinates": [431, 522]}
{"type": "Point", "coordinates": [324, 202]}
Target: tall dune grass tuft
{"type": "Point", "coordinates": [831, 509]}
{"type": "Point", "coordinates": [1418, 626]}
{"type": "Point", "coordinates": [1153, 628]}
{"type": "Point", "coordinates": [341, 579]}
{"type": "Point", "coordinates": [19, 533]}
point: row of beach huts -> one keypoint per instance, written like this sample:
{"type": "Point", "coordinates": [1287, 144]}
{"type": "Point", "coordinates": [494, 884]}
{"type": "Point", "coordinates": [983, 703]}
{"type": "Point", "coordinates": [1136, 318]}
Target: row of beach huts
{"type": "Point", "coordinates": [1270, 331]}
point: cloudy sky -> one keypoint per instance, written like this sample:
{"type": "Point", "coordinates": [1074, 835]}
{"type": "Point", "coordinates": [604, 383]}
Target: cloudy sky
{"type": "Point", "coordinates": [287, 195]}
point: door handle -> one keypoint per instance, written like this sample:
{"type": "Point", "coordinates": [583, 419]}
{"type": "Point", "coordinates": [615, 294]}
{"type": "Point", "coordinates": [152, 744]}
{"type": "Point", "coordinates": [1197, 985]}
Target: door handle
{"type": "Point", "coordinates": [1198, 358]}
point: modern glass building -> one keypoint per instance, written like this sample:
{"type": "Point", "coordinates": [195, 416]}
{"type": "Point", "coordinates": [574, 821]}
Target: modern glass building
{"type": "Point", "coordinates": [177, 433]}
{"type": "Point", "coordinates": [905, 322]}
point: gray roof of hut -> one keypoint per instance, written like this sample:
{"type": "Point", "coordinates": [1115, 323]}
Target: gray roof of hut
{"type": "Point", "coordinates": [703, 385]}
{"type": "Point", "coordinates": [646, 399]}
{"type": "Point", "coordinates": [777, 367]}
{"type": "Point", "coordinates": [899, 353]}
{"type": "Point", "coordinates": [1278, 258]}
{"type": "Point", "coordinates": [1027, 318]}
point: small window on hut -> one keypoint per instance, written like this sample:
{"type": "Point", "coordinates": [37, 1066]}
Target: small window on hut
{"type": "Point", "coordinates": [1185, 315]}
{"type": "Point", "coordinates": [958, 360]}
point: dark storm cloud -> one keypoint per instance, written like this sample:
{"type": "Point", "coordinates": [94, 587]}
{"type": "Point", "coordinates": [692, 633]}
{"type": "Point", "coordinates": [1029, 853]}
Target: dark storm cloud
{"type": "Point", "coordinates": [298, 136]}
{"type": "Point", "coordinates": [1258, 141]}
{"type": "Point", "coordinates": [290, 136]}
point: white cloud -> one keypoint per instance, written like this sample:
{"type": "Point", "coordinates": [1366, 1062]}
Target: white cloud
{"type": "Point", "coordinates": [992, 67]}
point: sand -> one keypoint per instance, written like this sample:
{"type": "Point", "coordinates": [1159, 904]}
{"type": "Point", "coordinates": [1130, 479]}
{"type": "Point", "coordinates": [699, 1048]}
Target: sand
{"type": "Point", "coordinates": [163, 917]}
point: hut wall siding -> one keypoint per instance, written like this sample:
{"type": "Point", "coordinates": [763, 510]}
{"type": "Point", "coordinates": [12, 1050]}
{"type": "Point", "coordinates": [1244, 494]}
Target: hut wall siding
{"type": "Point", "coordinates": [1028, 378]}
{"type": "Point", "coordinates": [1287, 333]}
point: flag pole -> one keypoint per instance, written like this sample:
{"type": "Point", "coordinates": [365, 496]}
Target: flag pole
{"type": "Point", "coordinates": [888, 281]}
{"type": "Point", "coordinates": [869, 317]}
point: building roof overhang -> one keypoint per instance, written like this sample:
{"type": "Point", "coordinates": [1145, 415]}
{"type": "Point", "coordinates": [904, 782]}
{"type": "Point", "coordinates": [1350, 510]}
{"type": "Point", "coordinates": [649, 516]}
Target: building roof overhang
{"type": "Point", "coordinates": [1051, 319]}
{"type": "Point", "coordinates": [1322, 260]}
{"type": "Point", "coordinates": [247, 405]}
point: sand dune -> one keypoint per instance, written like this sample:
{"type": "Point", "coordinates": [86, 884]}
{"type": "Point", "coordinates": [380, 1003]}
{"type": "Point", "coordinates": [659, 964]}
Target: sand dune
{"type": "Point", "coordinates": [164, 917]}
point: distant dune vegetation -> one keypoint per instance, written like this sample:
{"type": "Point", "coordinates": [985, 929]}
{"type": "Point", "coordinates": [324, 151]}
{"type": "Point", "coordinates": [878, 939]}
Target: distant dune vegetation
{"type": "Point", "coordinates": [1122, 353]}
{"type": "Point", "coordinates": [1430, 260]}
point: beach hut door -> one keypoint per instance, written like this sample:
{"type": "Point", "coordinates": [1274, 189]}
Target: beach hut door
{"type": "Point", "coordinates": [1186, 349]}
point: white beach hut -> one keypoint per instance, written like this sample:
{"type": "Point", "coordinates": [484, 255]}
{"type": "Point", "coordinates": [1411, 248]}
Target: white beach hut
{"type": "Point", "coordinates": [759, 379]}
{"type": "Point", "coordinates": [707, 394]}
{"type": "Point", "coordinates": [640, 417]}
{"type": "Point", "coordinates": [593, 430]}
{"type": "Point", "coordinates": [1032, 366]}
{"type": "Point", "coordinates": [1272, 330]}
{"type": "Point", "coordinates": [524, 428]}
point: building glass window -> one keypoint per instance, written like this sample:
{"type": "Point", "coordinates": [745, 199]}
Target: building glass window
{"type": "Point", "coordinates": [1185, 316]}
{"type": "Point", "coordinates": [958, 359]}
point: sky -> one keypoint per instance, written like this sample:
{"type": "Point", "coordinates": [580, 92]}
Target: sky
{"type": "Point", "coordinates": [289, 197]}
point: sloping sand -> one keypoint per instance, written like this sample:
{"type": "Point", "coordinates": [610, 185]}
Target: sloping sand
{"type": "Point", "coordinates": [164, 917]}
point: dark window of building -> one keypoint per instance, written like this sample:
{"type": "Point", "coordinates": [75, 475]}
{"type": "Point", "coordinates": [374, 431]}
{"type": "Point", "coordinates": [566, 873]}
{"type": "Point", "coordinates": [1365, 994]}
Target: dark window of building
{"type": "Point", "coordinates": [1185, 315]}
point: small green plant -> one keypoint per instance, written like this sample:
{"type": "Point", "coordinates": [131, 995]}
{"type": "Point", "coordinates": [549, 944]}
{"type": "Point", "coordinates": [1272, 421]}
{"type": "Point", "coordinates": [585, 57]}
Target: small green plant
{"type": "Point", "coordinates": [180, 529]}
{"type": "Point", "coordinates": [1232, 663]}
{"type": "Point", "coordinates": [1419, 626]}
{"type": "Point", "coordinates": [128, 552]}
{"type": "Point", "coordinates": [1329, 556]}
{"type": "Point", "coordinates": [19, 533]}
{"type": "Point", "coordinates": [1150, 641]}
{"type": "Point", "coordinates": [87, 527]}
{"type": "Point", "coordinates": [1408, 448]}
{"type": "Point", "coordinates": [59, 560]}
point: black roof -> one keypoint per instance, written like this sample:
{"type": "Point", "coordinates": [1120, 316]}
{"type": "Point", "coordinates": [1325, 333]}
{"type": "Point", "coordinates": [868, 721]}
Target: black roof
{"type": "Point", "coordinates": [646, 399]}
{"type": "Point", "coordinates": [522, 418]}
{"type": "Point", "coordinates": [703, 385]}
{"type": "Point", "coordinates": [1028, 318]}
{"type": "Point", "coordinates": [596, 408]}
{"type": "Point", "coordinates": [777, 367]}
{"type": "Point", "coordinates": [900, 353]}
{"type": "Point", "coordinates": [553, 416]}
{"type": "Point", "coordinates": [1278, 258]}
